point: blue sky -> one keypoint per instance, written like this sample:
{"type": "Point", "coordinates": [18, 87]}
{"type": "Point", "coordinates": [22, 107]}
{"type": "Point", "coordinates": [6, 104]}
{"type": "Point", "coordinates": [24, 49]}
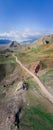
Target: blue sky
{"type": "Point", "coordinates": [25, 19]}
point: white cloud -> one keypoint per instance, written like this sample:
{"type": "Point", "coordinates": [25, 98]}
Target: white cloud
{"type": "Point", "coordinates": [21, 36]}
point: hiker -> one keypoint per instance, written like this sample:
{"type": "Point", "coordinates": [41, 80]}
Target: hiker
{"type": "Point", "coordinates": [25, 86]}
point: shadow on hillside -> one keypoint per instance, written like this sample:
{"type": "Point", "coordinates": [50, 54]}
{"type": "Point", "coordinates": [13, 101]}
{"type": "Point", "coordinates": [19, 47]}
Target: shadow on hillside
{"type": "Point", "coordinates": [17, 120]}
{"type": "Point", "coordinates": [2, 72]}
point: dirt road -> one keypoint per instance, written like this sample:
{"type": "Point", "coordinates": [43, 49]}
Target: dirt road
{"type": "Point", "coordinates": [46, 93]}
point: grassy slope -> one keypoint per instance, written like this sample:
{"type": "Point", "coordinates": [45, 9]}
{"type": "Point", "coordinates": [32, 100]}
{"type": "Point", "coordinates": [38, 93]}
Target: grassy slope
{"type": "Point", "coordinates": [6, 60]}
{"type": "Point", "coordinates": [37, 119]}
{"type": "Point", "coordinates": [47, 79]}
{"type": "Point", "coordinates": [35, 116]}
{"type": "Point", "coordinates": [7, 65]}
{"type": "Point", "coordinates": [44, 53]}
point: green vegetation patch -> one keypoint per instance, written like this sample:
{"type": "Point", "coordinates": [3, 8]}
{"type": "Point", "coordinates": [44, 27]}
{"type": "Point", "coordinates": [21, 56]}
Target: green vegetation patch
{"type": "Point", "coordinates": [33, 85]}
{"type": "Point", "coordinates": [4, 59]}
{"type": "Point", "coordinates": [37, 119]}
{"type": "Point", "coordinates": [48, 75]}
{"type": "Point", "coordinates": [6, 69]}
{"type": "Point", "coordinates": [36, 50]}
{"type": "Point", "coordinates": [49, 51]}
{"type": "Point", "coordinates": [47, 79]}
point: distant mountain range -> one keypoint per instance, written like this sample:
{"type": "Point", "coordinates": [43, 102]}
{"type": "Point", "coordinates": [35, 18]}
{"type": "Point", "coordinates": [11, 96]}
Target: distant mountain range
{"type": "Point", "coordinates": [7, 41]}
{"type": "Point", "coordinates": [4, 41]}
{"type": "Point", "coordinates": [29, 41]}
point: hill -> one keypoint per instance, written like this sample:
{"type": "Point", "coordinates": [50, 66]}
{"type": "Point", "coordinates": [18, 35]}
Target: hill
{"type": "Point", "coordinates": [11, 46]}
{"type": "Point", "coordinates": [43, 40]}
{"type": "Point", "coordinates": [14, 44]}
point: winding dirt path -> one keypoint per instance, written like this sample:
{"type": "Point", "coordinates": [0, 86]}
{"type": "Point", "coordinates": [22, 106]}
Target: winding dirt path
{"type": "Point", "coordinates": [46, 93]}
